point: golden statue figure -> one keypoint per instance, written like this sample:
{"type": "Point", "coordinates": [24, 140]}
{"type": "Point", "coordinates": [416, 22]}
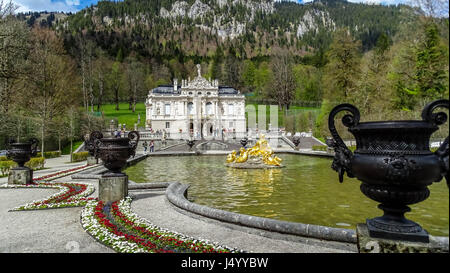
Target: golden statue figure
{"type": "Point", "coordinates": [243, 157]}
{"type": "Point", "coordinates": [274, 161]}
{"type": "Point", "coordinates": [258, 156]}
{"type": "Point", "coordinates": [231, 157]}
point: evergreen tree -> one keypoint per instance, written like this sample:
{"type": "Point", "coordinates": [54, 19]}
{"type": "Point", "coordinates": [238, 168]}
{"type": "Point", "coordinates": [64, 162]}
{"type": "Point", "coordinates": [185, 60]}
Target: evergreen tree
{"type": "Point", "coordinates": [343, 69]}
{"type": "Point", "coordinates": [431, 66]}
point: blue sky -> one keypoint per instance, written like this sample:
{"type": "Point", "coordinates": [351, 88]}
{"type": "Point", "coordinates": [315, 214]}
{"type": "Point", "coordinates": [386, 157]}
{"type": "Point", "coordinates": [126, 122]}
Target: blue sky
{"type": "Point", "coordinates": [76, 5]}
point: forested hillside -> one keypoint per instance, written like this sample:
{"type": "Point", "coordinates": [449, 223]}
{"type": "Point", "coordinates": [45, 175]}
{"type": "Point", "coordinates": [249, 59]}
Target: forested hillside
{"type": "Point", "coordinates": [388, 60]}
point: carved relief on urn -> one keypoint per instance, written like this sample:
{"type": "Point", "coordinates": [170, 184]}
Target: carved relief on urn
{"type": "Point", "coordinates": [394, 163]}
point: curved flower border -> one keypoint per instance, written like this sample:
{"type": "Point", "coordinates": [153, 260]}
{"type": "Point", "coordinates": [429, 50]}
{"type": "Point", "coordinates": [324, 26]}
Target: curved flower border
{"type": "Point", "coordinates": [60, 174]}
{"type": "Point", "coordinates": [70, 194]}
{"type": "Point", "coordinates": [118, 227]}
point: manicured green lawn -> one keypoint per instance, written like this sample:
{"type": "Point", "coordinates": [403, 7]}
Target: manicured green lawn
{"type": "Point", "coordinates": [125, 116]}
{"type": "Point", "coordinates": [76, 144]}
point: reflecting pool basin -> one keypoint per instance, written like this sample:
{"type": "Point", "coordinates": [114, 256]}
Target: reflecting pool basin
{"type": "Point", "coordinates": [306, 191]}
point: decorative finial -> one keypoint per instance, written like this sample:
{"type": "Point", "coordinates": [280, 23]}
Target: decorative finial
{"type": "Point", "coordinates": [199, 70]}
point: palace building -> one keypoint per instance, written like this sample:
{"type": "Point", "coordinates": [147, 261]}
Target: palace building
{"type": "Point", "coordinates": [200, 107]}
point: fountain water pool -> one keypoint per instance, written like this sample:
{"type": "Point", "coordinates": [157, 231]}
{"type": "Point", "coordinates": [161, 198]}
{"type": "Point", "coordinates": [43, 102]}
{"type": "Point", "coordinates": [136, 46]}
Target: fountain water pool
{"type": "Point", "coordinates": [306, 191]}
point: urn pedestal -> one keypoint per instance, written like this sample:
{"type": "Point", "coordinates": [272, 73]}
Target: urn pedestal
{"type": "Point", "coordinates": [369, 244]}
{"type": "Point", "coordinates": [20, 176]}
{"type": "Point", "coordinates": [91, 160]}
{"type": "Point", "coordinates": [113, 188]}
{"type": "Point", "coordinates": [395, 165]}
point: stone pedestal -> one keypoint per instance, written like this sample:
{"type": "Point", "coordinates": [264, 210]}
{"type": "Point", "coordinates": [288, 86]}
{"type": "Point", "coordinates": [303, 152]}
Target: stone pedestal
{"type": "Point", "coordinates": [113, 188]}
{"type": "Point", "coordinates": [91, 160]}
{"type": "Point", "coordinates": [20, 176]}
{"type": "Point", "coordinates": [367, 244]}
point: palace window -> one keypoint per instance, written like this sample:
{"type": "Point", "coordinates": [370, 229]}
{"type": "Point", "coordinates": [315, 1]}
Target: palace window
{"type": "Point", "coordinates": [167, 109]}
{"type": "Point", "coordinates": [209, 108]}
{"type": "Point", "coordinates": [190, 108]}
{"type": "Point", "coordinates": [231, 109]}
{"type": "Point", "coordinates": [167, 125]}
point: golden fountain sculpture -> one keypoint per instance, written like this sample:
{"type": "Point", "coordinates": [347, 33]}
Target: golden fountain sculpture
{"type": "Point", "coordinates": [258, 156]}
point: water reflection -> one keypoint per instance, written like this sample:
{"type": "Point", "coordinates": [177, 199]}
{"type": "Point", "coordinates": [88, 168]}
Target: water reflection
{"type": "Point", "coordinates": [306, 191]}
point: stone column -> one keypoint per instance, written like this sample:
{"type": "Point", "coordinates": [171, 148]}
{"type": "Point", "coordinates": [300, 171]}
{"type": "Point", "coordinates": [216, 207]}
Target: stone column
{"type": "Point", "coordinates": [113, 188]}
{"type": "Point", "coordinates": [20, 176]}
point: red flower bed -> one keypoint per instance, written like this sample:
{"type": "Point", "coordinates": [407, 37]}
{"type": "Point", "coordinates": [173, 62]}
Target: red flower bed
{"type": "Point", "coordinates": [59, 173]}
{"type": "Point", "coordinates": [150, 240]}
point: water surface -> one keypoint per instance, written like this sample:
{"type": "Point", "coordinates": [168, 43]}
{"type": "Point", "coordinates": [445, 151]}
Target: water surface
{"type": "Point", "coordinates": [306, 191]}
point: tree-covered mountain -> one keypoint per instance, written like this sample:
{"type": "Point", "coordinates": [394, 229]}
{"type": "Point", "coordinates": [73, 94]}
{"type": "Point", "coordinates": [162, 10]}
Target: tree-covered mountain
{"type": "Point", "coordinates": [247, 29]}
{"type": "Point", "coordinates": [388, 60]}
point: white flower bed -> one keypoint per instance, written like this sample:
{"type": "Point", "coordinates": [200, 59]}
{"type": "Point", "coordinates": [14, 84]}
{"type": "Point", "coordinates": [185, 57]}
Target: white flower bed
{"type": "Point", "coordinates": [102, 234]}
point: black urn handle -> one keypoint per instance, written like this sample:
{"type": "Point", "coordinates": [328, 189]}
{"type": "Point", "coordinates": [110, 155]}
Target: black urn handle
{"type": "Point", "coordinates": [343, 155]}
{"type": "Point", "coordinates": [439, 119]}
{"type": "Point", "coordinates": [93, 143]}
{"type": "Point", "coordinates": [34, 145]}
{"type": "Point", "coordinates": [134, 137]}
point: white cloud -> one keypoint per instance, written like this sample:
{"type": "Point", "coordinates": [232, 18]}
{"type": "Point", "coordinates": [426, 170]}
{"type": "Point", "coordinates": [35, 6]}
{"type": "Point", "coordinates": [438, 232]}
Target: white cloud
{"type": "Point", "coordinates": [48, 5]}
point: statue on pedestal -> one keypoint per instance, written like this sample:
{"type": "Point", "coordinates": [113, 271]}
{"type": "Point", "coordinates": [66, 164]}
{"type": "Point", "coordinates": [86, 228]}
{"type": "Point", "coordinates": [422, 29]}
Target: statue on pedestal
{"type": "Point", "coordinates": [260, 156]}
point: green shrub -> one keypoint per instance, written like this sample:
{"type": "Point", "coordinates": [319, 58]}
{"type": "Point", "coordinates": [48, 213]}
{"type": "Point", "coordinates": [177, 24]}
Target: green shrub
{"type": "Point", "coordinates": [319, 148]}
{"type": "Point", "coordinates": [3, 158]}
{"type": "Point", "coordinates": [324, 148]}
{"type": "Point", "coordinates": [78, 157]}
{"type": "Point", "coordinates": [5, 166]}
{"type": "Point", "coordinates": [49, 154]}
{"type": "Point", "coordinates": [35, 163]}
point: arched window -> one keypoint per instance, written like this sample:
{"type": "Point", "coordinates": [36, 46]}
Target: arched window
{"type": "Point", "coordinates": [190, 108]}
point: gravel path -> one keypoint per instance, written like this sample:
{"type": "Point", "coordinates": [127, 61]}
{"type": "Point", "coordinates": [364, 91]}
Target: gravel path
{"type": "Point", "coordinates": [43, 231]}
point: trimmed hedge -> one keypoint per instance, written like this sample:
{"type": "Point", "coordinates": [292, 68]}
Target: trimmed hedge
{"type": "Point", "coordinates": [5, 166]}
{"type": "Point", "coordinates": [49, 154]}
{"type": "Point", "coordinates": [78, 157]}
{"type": "Point", "coordinates": [35, 163]}
{"type": "Point", "coordinates": [324, 148]}
{"type": "Point", "coordinates": [353, 148]}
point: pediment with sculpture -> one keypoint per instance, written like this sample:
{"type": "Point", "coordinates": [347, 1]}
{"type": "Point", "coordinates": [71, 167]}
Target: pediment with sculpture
{"type": "Point", "coordinates": [200, 83]}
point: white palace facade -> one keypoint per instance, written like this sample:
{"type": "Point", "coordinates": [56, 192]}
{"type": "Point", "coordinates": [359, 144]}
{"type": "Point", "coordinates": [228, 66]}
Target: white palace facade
{"type": "Point", "coordinates": [199, 107]}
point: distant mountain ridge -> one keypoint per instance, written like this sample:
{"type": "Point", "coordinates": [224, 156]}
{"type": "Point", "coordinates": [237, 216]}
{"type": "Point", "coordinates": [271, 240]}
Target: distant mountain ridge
{"type": "Point", "coordinates": [245, 28]}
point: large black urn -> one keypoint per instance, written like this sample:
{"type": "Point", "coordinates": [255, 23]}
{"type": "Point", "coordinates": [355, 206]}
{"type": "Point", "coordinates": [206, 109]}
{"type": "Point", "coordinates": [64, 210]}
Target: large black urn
{"type": "Point", "coordinates": [113, 151]}
{"type": "Point", "coordinates": [395, 165]}
{"type": "Point", "coordinates": [22, 152]}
